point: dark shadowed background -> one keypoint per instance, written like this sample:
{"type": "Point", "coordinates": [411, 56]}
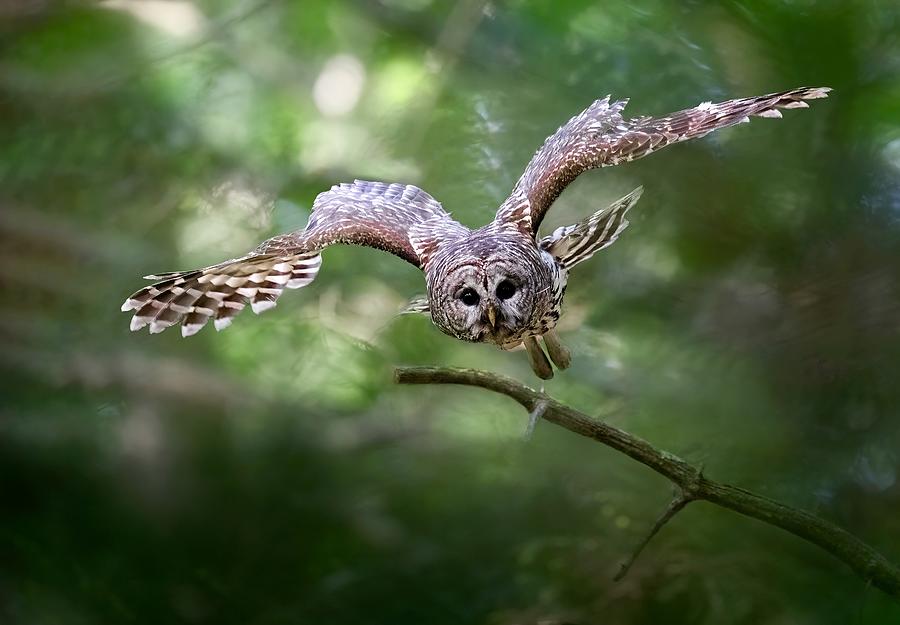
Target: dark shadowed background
{"type": "Point", "coordinates": [748, 320]}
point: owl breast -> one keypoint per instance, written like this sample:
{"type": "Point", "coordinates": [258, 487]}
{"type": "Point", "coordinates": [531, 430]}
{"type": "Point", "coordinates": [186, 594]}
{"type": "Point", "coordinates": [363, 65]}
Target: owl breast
{"type": "Point", "coordinates": [559, 278]}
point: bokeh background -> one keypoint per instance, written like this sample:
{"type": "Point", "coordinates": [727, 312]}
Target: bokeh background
{"type": "Point", "coordinates": [748, 320]}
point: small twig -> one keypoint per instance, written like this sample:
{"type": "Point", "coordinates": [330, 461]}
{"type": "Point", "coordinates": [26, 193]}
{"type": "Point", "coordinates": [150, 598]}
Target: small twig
{"type": "Point", "coordinates": [537, 412]}
{"type": "Point", "coordinates": [675, 506]}
{"type": "Point", "coordinates": [865, 561]}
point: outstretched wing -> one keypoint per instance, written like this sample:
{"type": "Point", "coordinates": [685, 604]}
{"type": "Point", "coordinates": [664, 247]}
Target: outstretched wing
{"type": "Point", "coordinates": [388, 217]}
{"type": "Point", "coordinates": [573, 244]}
{"type": "Point", "coordinates": [401, 219]}
{"type": "Point", "coordinates": [600, 137]}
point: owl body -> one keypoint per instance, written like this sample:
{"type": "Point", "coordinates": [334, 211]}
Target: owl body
{"type": "Point", "coordinates": [499, 284]}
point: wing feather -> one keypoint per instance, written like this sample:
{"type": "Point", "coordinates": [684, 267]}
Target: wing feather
{"type": "Point", "coordinates": [600, 137]}
{"type": "Point", "coordinates": [374, 214]}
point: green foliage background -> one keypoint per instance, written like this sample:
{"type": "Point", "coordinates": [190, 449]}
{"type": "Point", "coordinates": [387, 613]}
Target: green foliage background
{"type": "Point", "coordinates": [748, 320]}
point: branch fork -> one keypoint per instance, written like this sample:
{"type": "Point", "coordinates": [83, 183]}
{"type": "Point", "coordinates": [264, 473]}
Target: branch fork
{"type": "Point", "coordinates": [689, 481]}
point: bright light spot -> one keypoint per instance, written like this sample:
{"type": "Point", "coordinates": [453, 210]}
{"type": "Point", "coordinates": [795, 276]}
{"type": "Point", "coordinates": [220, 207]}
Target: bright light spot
{"type": "Point", "coordinates": [892, 153]}
{"type": "Point", "coordinates": [399, 83]}
{"type": "Point", "coordinates": [174, 17]}
{"type": "Point", "coordinates": [339, 85]}
{"type": "Point", "coordinates": [332, 144]}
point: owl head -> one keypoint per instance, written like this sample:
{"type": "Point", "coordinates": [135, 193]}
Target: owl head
{"type": "Point", "coordinates": [488, 288]}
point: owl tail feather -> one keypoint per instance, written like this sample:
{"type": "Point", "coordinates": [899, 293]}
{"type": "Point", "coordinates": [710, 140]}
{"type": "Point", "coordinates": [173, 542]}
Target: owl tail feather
{"type": "Point", "coordinates": [574, 244]}
{"type": "Point", "coordinates": [219, 292]}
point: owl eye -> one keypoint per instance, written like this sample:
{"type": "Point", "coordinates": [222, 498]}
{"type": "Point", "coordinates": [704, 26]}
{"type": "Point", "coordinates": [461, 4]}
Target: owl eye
{"type": "Point", "coordinates": [469, 297]}
{"type": "Point", "coordinates": [506, 289]}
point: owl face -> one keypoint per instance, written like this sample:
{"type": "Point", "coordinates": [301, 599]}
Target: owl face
{"type": "Point", "coordinates": [491, 297]}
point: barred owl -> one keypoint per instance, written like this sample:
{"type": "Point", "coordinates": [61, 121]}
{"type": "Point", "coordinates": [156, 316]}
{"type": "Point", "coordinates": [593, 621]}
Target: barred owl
{"type": "Point", "coordinates": [499, 284]}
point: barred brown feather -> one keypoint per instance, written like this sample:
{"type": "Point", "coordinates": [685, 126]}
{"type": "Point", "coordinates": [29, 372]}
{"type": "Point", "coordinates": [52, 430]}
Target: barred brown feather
{"type": "Point", "coordinates": [600, 137]}
{"type": "Point", "coordinates": [219, 292]}
{"type": "Point", "coordinates": [379, 215]}
{"type": "Point", "coordinates": [373, 214]}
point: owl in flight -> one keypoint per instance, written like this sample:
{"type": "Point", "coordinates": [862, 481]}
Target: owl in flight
{"type": "Point", "coordinates": [501, 283]}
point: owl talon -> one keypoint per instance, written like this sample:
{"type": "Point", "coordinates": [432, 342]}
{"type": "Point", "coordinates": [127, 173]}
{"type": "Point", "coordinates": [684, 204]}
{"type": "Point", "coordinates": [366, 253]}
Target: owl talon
{"type": "Point", "coordinates": [538, 359]}
{"type": "Point", "coordinates": [559, 353]}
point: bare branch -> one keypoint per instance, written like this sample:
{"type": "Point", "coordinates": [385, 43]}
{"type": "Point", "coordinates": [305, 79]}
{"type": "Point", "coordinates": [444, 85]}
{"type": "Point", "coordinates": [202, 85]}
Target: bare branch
{"type": "Point", "coordinates": [675, 506]}
{"type": "Point", "coordinates": [865, 561]}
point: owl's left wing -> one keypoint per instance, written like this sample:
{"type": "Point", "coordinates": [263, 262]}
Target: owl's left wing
{"type": "Point", "coordinates": [600, 137]}
{"type": "Point", "coordinates": [401, 219]}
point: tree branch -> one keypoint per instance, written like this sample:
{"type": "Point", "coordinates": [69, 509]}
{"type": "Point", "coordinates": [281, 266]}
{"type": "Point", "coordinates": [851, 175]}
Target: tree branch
{"type": "Point", "coordinates": [675, 506]}
{"type": "Point", "coordinates": [863, 559]}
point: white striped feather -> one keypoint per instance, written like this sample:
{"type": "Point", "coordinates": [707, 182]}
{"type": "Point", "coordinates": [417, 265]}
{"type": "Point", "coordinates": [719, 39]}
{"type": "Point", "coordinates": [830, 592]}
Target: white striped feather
{"type": "Point", "coordinates": [219, 292]}
{"type": "Point", "coordinates": [573, 244]}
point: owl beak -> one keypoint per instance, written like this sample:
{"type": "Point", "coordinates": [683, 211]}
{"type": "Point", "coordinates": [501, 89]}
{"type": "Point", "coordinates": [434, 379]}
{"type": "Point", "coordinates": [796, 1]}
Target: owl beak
{"type": "Point", "coordinates": [492, 316]}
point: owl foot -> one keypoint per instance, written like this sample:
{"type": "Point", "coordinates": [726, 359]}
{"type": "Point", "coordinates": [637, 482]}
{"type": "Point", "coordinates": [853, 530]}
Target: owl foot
{"type": "Point", "coordinates": [538, 359]}
{"type": "Point", "coordinates": [558, 352]}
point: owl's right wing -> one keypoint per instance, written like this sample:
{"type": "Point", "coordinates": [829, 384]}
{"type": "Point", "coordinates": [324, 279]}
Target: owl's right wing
{"type": "Point", "coordinates": [600, 136]}
{"type": "Point", "coordinates": [401, 219]}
